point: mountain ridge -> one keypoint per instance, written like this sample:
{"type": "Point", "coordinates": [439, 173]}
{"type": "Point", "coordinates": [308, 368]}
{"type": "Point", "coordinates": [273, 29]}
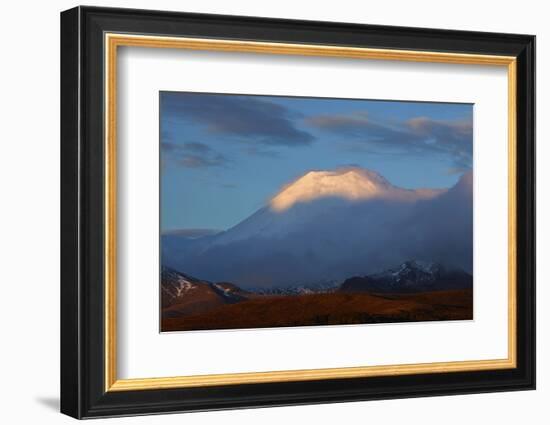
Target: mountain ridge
{"type": "Point", "coordinates": [409, 276]}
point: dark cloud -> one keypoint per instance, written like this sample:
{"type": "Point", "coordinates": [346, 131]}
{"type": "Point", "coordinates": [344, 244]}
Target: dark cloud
{"type": "Point", "coordinates": [192, 155]}
{"type": "Point", "coordinates": [244, 117]}
{"type": "Point", "coordinates": [421, 135]}
{"type": "Point", "coordinates": [197, 147]}
{"type": "Point", "coordinates": [452, 137]}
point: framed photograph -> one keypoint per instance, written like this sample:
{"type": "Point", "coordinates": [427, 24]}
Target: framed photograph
{"type": "Point", "coordinates": [261, 212]}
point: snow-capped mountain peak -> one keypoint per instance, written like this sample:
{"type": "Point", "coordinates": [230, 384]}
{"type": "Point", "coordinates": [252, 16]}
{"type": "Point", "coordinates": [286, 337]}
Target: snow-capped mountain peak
{"type": "Point", "coordinates": [351, 183]}
{"type": "Point", "coordinates": [411, 276]}
{"type": "Point", "coordinates": [412, 270]}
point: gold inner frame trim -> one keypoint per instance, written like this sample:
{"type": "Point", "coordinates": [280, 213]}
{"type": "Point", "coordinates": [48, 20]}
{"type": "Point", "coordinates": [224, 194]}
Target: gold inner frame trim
{"type": "Point", "coordinates": [113, 41]}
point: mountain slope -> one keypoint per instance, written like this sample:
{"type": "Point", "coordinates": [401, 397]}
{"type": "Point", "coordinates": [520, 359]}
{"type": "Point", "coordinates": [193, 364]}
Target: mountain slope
{"type": "Point", "coordinates": [329, 225]}
{"type": "Point", "coordinates": [183, 294]}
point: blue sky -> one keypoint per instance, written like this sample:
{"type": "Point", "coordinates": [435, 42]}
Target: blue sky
{"type": "Point", "coordinates": [224, 156]}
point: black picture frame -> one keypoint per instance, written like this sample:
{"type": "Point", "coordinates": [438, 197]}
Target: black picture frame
{"type": "Point", "coordinates": [83, 392]}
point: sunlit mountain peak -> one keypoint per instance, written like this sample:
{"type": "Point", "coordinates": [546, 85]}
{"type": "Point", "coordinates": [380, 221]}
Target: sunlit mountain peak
{"type": "Point", "coordinates": [351, 183]}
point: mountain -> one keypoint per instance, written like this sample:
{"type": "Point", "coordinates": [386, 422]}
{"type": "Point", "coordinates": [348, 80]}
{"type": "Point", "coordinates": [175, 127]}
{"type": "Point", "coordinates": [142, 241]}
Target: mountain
{"type": "Point", "coordinates": [183, 294]}
{"type": "Point", "coordinates": [319, 195]}
{"type": "Point", "coordinates": [350, 183]}
{"type": "Point", "coordinates": [410, 276]}
{"type": "Point", "coordinates": [329, 225]}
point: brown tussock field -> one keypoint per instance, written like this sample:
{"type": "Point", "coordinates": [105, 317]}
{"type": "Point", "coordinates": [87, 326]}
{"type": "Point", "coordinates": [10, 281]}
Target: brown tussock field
{"type": "Point", "coordinates": [336, 308]}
